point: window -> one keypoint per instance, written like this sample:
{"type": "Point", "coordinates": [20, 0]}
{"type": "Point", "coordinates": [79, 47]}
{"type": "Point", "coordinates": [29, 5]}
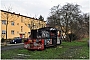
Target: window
{"type": "Point", "coordinates": [12, 23]}
{"type": "Point", "coordinates": [34, 26]}
{"type": "Point", "coordinates": [3, 32]}
{"type": "Point", "coordinates": [21, 28]}
{"type": "Point", "coordinates": [29, 25]}
{"type": "Point", "coordinates": [4, 22]}
{"type": "Point", "coordinates": [29, 33]}
{"type": "Point", "coordinates": [12, 32]}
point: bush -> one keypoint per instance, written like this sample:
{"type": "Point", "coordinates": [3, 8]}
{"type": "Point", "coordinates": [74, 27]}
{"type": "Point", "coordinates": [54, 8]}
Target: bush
{"type": "Point", "coordinates": [72, 36]}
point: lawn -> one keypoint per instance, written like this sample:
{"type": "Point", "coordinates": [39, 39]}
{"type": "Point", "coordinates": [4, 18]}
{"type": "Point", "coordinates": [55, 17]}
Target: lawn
{"type": "Point", "coordinates": [67, 50]}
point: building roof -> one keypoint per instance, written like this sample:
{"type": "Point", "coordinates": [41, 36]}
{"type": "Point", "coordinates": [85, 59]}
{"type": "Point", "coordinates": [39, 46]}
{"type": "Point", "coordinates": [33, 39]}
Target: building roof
{"type": "Point", "coordinates": [21, 15]}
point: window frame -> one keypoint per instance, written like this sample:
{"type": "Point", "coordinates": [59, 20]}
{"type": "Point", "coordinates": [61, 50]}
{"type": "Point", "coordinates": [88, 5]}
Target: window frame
{"type": "Point", "coordinates": [12, 23]}
{"type": "Point", "coordinates": [4, 22]}
{"type": "Point", "coordinates": [3, 32]}
{"type": "Point", "coordinates": [12, 32]}
{"type": "Point", "coordinates": [29, 33]}
{"type": "Point", "coordinates": [29, 25]}
{"type": "Point", "coordinates": [21, 28]}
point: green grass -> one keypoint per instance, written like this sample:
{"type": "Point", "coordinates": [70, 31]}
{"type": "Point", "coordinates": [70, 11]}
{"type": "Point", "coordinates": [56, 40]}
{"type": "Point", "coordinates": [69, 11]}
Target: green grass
{"type": "Point", "coordinates": [67, 50]}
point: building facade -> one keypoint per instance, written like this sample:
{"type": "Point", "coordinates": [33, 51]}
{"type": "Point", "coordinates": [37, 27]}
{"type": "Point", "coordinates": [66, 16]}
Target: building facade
{"type": "Point", "coordinates": [16, 25]}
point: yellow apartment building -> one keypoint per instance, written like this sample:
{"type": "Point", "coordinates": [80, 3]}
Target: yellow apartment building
{"type": "Point", "coordinates": [18, 25]}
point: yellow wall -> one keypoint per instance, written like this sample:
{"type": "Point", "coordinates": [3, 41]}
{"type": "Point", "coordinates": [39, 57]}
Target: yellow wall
{"type": "Point", "coordinates": [16, 18]}
{"type": "Point", "coordinates": [0, 26]}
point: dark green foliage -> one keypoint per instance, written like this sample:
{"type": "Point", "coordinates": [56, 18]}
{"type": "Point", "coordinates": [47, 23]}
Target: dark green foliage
{"type": "Point", "coordinates": [72, 37]}
{"type": "Point", "coordinates": [41, 18]}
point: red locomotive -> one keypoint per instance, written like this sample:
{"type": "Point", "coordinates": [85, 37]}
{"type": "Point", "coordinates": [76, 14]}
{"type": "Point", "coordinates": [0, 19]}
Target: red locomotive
{"type": "Point", "coordinates": [42, 38]}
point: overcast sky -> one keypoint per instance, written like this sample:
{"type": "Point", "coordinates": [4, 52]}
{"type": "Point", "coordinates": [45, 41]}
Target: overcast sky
{"type": "Point", "coordinates": [35, 8]}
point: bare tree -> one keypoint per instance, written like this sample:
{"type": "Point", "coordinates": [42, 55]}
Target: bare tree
{"type": "Point", "coordinates": [29, 24]}
{"type": "Point", "coordinates": [69, 17]}
{"type": "Point", "coordinates": [9, 19]}
{"type": "Point", "coordinates": [83, 26]}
